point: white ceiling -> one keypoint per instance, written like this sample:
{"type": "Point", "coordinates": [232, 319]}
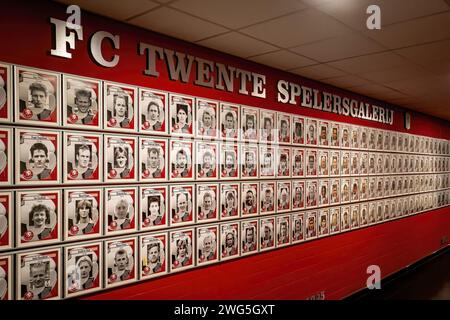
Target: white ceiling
{"type": "Point", "coordinates": [406, 63]}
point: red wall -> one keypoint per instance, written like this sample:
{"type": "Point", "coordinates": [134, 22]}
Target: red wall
{"type": "Point", "coordinates": [335, 264]}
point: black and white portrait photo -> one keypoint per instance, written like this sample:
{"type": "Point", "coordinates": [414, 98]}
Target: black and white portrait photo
{"type": "Point", "coordinates": [207, 202]}
{"type": "Point", "coordinates": [83, 269]}
{"type": "Point", "coordinates": [120, 158]}
{"type": "Point", "coordinates": [38, 275]}
{"type": "Point", "coordinates": [207, 160]}
{"type": "Point", "coordinates": [37, 156]}
{"type": "Point", "coordinates": [206, 118]}
{"type": "Point", "coordinates": [120, 207]}
{"type": "Point", "coordinates": [38, 217]}
{"type": "Point", "coordinates": [153, 111]}
{"type": "Point", "coordinates": [83, 213]}
{"type": "Point", "coordinates": [83, 158]}
{"type": "Point", "coordinates": [207, 245]}
{"type": "Point", "coordinates": [153, 207]}
{"type": "Point", "coordinates": [120, 107]}
{"type": "Point", "coordinates": [182, 204]}
{"type": "Point", "coordinates": [120, 261]}
{"type": "Point", "coordinates": [37, 96]}
{"type": "Point", "coordinates": [154, 253]}
{"type": "Point", "coordinates": [181, 250]}
{"type": "Point", "coordinates": [153, 159]}
{"type": "Point", "coordinates": [181, 115]}
{"type": "Point", "coordinates": [181, 160]}
{"type": "Point", "coordinates": [249, 124]}
{"type": "Point", "coordinates": [229, 121]}
{"type": "Point", "coordinates": [82, 102]}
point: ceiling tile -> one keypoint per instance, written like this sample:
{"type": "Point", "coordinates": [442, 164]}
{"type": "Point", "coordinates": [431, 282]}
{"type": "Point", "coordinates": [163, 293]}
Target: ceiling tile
{"type": "Point", "coordinates": [318, 72]}
{"type": "Point", "coordinates": [283, 60]}
{"type": "Point", "coordinates": [424, 54]}
{"type": "Point", "coordinates": [440, 68]}
{"type": "Point", "coordinates": [236, 14]}
{"type": "Point", "coordinates": [344, 46]}
{"type": "Point", "coordinates": [177, 24]}
{"type": "Point", "coordinates": [368, 63]}
{"type": "Point", "coordinates": [237, 44]}
{"type": "Point", "coordinates": [346, 82]}
{"type": "Point", "coordinates": [296, 29]}
{"type": "Point", "coordinates": [353, 12]}
{"type": "Point", "coordinates": [119, 10]}
{"type": "Point", "coordinates": [378, 91]}
{"type": "Point", "coordinates": [397, 11]}
{"type": "Point", "coordinates": [404, 71]}
{"type": "Point", "coordinates": [413, 32]}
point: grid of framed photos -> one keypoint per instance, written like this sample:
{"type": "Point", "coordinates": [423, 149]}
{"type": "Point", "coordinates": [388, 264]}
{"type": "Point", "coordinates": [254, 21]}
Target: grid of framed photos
{"type": "Point", "coordinates": [103, 184]}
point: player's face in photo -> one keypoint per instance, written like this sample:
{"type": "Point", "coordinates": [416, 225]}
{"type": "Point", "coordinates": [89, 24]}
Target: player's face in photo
{"type": "Point", "coordinates": [182, 249]}
{"type": "Point", "coordinates": [323, 133]}
{"type": "Point", "coordinates": [153, 159]}
{"type": "Point", "coordinates": [345, 135]}
{"type": "Point", "coordinates": [311, 132]}
{"type": "Point", "coordinates": [39, 158]}
{"type": "Point", "coordinates": [334, 163]}
{"type": "Point", "coordinates": [121, 261]}
{"type": "Point", "coordinates": [283, 164]}
{"type": "Point", "coordinates": [334, 133]}
{"type": "Point", "coordinates": [207, 202]}
{"type": "Point", "coordinates": [38, 98]}
{"type": "Point", "coordinates": [229, 161]}
{"type": "Point", "coordinates": [84, 211]}
{"type": "Point", "coordinates": [249, 198]}
{"type": "Point", "coordinates": [283, 230]}
{"type": "Point", "coordinates": [229, 240]}
{"type": "Point", "coordinates": [207, 119]}
{"type": "Point", "coordinates": [284, 196]}
{"type": "Point", "coordinates": [249, 159]}
{"type": "Point", "coordinates": [334, 191]}
{"type": "Point", "coordinates": [266, 233]}
{"type": "Point", "coordinates": [268, 125]}
{"type": "Point", "coordinates": [311, 223]}
{"type": "Point", "coordinates": [121, 160]}
{"type": "Point", "coordinates": [323, 223]}
{"type": "Point", "coordinates": [268, 197]}
{"type": "Point", "coordinates": [323, 162]}
{"type": "Point", "coordinates": [121, 209]}
{"type": "Point", "coordinates": [249, 235]}
{"type": "Point", "coordinates": [39, 218]}
{"type": "Point", "coordinates": [250, 123]}
{"type": "Point", "coordinates": [229, 122]}
{"type": "Point", "coordinates": [207, 161]}
{"type": "Point", "coordinates": [267, 161]}
{"type": "Point", "coordinates": [83, 102]}
{"type": "Point", "coordinates": [345, 162]}
{"type": "Point", "coordinates": [230, 201]}
{"type": "Point", "coordinates": [181, 160]}
{"type": "Point", "coordinates": [154, 209]}
{"type": "Point", "coordinates": [207, 244]}
{"type": "Point", "coordinates": [284, 128]}
{"type": "Point", "coordinates": [311, 162]}
{"type": "Point", "coordinates": [153, 254]}
{"type": "Point", "coordinates": [153, 112]}
{"type": "Point", "coordinates": [298, 226]}
{"type": "Point", "coordinates": [182, 203]}
{"type": "Point", "coordinates": [182, 116]}
{"type": "Point", "coordinates": [85, 269]}
{"type": "Point", "coordinates": [38, 275]}
{"type": "Point", "coordinates": [120, 106]}
{"type": "Point", "coordinates": [334, 219]}
{"type": "Point", "coordinates": [83, 157]}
